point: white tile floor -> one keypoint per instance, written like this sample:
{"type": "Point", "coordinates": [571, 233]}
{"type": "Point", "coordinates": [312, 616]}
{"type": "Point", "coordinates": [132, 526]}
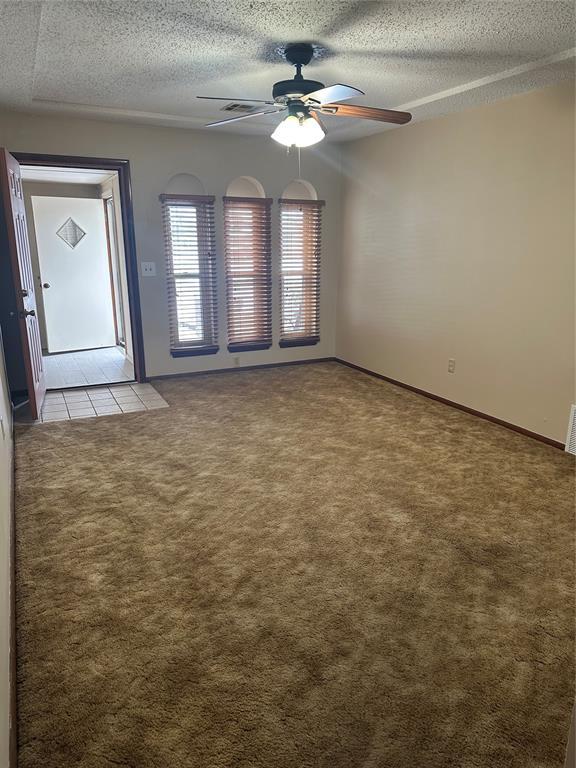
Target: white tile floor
{"type": "Point", "coordinates": [100, 401]}
{"type": "Point", "coordinates": [93, 366]}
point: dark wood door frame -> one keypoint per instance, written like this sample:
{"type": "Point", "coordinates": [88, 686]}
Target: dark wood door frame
{"type": "Point", "coordinates": [123, 169]}
{"type": "Point", "coordinates": [23, 319]}
{"type": "Point", "coordinates": [113, 292]}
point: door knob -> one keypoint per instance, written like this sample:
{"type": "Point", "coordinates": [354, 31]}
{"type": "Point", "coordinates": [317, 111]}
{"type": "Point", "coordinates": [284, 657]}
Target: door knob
{"type": "Point", "coordinates": [45, 285]}
{"type": "Point", "coordinates": [24, 293]}
{"type": "Point", "coordinates": [28, 313]}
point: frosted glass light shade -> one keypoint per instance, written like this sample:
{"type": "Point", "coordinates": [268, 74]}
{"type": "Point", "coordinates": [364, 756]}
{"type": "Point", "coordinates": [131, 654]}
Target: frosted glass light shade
{"type": "Point", "coordinates": [299, 132]}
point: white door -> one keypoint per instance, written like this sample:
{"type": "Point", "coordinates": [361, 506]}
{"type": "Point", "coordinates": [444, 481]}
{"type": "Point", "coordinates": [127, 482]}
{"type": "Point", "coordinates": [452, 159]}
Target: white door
{"type": "Point", "coordinates": [75, 273]}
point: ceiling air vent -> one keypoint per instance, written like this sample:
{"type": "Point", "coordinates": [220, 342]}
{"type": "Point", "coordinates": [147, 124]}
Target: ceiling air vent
{"type": "Point", "coordinates": [571, 436]}
{"type": "Point", "coordinates": [236, 106]}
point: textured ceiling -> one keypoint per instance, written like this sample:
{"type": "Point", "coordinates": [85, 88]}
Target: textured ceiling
{"type": "Point", "coordinates": [146, 61]}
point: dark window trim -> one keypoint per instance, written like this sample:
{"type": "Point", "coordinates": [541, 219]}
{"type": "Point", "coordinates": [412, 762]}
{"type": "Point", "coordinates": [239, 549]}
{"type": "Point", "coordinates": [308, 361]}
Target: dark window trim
{"type": "Point", "coordinates": [193, 351]}
{"type": "Point", "coordinates": [174, 199]}
{"type": "Point", "coordinates": [262, 277]}
{"type": "Point", "coordinates": [207, 274]}
{"type": "Point", "coordinates": [246, 347]}
{"type": "Point", "coordinates": [298, 201]}
{"type": "Point", "coordinates": [236, 199]}
{"type": "Point", "coordinates": [287, 340]}
{"type": "Point", "coordinates": [123, 169]}
{"type": "Point", "coordinates": [307, 342]}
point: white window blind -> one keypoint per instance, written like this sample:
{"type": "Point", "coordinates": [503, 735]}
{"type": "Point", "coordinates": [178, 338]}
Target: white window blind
{"type": "Point", "coordinates": [300, 247]}
{"type": "Point", "coordinates": [191, 273]}
{"type": "Point", "coordinates": [248, 272]}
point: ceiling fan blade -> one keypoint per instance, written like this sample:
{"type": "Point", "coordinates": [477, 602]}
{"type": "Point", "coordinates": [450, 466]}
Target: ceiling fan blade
{"type": "Point", "coordinates": [236, 99]}
{"type": "Point", "coordinates": [366, 113]}
{"type": "Point", "coordinates": [336, 92]}
{"type": "Point", "coordinates": [243, 117]}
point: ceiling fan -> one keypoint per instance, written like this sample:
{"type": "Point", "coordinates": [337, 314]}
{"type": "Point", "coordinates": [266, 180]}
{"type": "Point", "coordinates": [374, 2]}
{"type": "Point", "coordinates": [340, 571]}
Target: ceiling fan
{"type": "Point", "coordinates": [305, 100]}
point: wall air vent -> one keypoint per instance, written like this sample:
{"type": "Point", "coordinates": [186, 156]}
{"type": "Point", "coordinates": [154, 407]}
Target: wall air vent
{"type": "Point", "coordinates": [571, 436]}
{"type": "Point", "coordinates": [236, 106]}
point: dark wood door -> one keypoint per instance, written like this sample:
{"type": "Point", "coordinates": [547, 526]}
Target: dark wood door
{"type": "Point", "coordinates": [19, 255]}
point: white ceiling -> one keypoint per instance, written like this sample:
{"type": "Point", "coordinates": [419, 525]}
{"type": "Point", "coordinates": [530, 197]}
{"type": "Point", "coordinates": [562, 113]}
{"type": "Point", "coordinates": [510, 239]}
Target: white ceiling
{"type": "Point", "coordinates": [147, 61]}
{"type": "Point", "coordinates": [65, 175]}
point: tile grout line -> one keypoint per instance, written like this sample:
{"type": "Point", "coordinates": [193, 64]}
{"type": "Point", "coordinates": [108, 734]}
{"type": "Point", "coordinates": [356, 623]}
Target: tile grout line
{"type": "Point", "coordinates": [135, 397]}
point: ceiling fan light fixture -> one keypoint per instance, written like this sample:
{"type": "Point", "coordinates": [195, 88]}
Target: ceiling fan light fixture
{"type": "Point", "coordinates": [300, 96]}
{"type": "Point", "coordinates": [298, 131]}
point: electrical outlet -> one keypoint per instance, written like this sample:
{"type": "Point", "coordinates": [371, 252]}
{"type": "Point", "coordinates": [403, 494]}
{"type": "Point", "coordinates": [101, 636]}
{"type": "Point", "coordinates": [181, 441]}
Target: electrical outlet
{"type": "Point", "coordinates": [236, 361]}
{"type": "Point", "coordinates": [451, 365]}
{"type": "Point", "coordinates": [148, 268]}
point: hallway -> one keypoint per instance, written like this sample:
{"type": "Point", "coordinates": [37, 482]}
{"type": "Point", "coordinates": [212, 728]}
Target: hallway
{"type": "Point", "coordinates": [107, 365]}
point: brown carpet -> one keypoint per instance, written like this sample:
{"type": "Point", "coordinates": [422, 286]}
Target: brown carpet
{"type": "Point", "coordinates": [299, 567]}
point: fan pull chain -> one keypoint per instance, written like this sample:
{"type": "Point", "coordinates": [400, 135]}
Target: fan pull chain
{"type": "Point", "coordinates": [288, 149]}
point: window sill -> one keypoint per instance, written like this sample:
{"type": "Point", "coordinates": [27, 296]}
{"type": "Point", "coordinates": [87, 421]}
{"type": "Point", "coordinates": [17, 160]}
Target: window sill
{"type": "Point", "coordinates": [249, 347]}
{"type": "Point", "coordinates": [193, 351]}
{"type": "Point", "coordinates": [308, 342]}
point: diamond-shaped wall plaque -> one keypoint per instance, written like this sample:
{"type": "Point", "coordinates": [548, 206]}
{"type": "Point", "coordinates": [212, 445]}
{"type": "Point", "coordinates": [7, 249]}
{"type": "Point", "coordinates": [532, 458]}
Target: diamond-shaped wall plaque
{"type": "Point", "coordinates": [71, 233]}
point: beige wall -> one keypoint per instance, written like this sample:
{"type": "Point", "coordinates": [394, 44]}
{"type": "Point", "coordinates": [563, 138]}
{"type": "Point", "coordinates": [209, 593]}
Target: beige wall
{"type": "Point", "coordinates": [47, 189]}
{"type": "Point", "coordinates": [5, 563]}
{"type": "Point", "coordinates": [459, 243]}
{"type": "Point", "coordinates": [156, 155]}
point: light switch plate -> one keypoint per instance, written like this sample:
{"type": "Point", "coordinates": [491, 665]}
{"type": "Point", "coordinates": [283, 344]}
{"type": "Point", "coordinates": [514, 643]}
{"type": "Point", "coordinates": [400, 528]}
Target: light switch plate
{"type": "Point", "coordinates": [148, 268]}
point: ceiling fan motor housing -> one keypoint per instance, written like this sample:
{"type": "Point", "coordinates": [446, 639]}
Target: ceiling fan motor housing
{"type": "Point", "coordinates": [284, 90]}
{"type": "Point", "coordinates": [298, 54]}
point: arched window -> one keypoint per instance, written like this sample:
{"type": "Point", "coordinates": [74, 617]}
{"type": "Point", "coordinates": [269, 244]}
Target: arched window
{"type": "Point", "coordinates": [184, 184]}
{"type": "Point", "coordinates": [300, 245]}
{"type": "Point", "coordinates": [188, 218]}
{"type": "Point", "coordinates": [299, 189]}
{"type": "Point", "coordinates": [247, 258]}
{"type": "Point", "coordinates": [245, 186]}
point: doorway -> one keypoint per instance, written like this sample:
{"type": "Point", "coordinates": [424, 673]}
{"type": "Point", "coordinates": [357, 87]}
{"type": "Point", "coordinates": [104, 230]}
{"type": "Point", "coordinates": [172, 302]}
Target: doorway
{"type": "Point", "coordinates": [79, 221]}
{"type": "Point", "coordinates": [79, 274]}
